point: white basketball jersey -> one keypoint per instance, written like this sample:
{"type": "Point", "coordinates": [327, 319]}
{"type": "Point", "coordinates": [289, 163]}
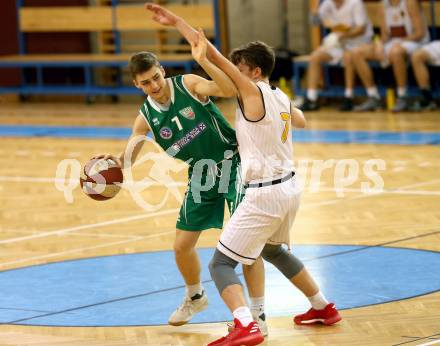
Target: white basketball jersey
{"type": "Point", "coordinates": [397, 16]}
{"type": "Point", "coordinates": [351, 13]}
{"type": "Point", "coordinates": [265, 146]}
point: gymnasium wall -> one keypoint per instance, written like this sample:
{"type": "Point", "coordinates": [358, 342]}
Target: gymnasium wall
{"type": "Point", "coordinates": [263, 20]}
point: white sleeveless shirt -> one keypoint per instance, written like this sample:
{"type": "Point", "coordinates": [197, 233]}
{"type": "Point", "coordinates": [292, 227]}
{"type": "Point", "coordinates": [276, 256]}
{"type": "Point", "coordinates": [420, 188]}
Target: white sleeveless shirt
{"type": "Point", "coordinates": [265, 146]}
{"type": "Point", "coordinates": [398, 16]}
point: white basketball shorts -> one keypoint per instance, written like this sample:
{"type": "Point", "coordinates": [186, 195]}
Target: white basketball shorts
{"type": "Point", "coordinates": [265, 215]}
{"type": "Point", "coordinates": [433, 50]}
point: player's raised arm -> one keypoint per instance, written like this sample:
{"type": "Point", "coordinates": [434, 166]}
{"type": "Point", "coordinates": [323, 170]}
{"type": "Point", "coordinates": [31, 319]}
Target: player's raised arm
{"type": "Point", "coordinates": [198, 86]}
{"type": "Point", "coordinates": [251, 96]}
{"type": "Point", "coordinates": [168, 18]}
{"type": "Point", "coordinates": [220, 85]}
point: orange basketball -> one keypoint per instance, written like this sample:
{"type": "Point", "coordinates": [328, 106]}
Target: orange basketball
{"type": "Point", "coordinates": [101, 179]}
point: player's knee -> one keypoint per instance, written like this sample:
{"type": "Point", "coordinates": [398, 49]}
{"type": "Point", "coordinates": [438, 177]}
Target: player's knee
{"type": "Point", "coordinates": [418, 57]}
{"type": "Point", "coordinates": [356, 53]}
{"type": "Point", "coordinates": [182, 248]}
{"type": "Point", "coordinates": [283, 260]}
{"type": "Point", "coordinates": [347, 58]}
{"type": "Point", "coordinates": [271, 252]}
{"type": "Point", "coordinates": [397, 53]}
{"type": "Point", "coordinates": [316, 57]}
{"type": "Point", "coordinates": [222, 269]}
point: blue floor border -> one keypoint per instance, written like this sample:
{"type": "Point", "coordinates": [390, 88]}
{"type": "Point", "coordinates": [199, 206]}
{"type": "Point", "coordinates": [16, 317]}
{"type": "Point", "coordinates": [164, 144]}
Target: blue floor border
{"type": "Point", "coordinates": [300, 136]}
{"type": "Point", "coordinates": [91, 293]}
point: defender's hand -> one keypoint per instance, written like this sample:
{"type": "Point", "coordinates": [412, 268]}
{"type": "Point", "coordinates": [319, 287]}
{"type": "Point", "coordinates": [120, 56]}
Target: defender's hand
{"type": "Point", "coordinates": [198, 48]}
{"type": "Point", "coordinates": [162, 15]}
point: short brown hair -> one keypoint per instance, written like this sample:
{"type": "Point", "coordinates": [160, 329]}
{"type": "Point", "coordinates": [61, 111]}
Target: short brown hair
{"type": "Point", "coordinates": [255, 54]}
{"type": "Point", "coordinates": [142, 62]}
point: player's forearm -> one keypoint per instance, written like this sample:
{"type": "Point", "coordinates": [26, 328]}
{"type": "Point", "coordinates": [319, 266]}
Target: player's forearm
{"type": "Point", "coordinates": [297, 118]}
{"type": "Point", "coordinates": [416, 36]}
{"type": "Point", "coordinates": [187, 31]}
{"type": "Point", "coordinates": [240, 82]}
{"type": "Point", "coordinates": [132, 150]}
{"type": "Point", "coordinates": [328, 24]}
{"type": "Point", "coordinates": [353, 32]}
{"type": "Point", "coordinates": [190, 34]}
{"type": "Point", "coordinates": [223, 82]}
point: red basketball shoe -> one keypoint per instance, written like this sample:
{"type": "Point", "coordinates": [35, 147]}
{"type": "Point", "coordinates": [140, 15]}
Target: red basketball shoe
{"type": "Point", "coordinates": [240, 335]}
{"type": "Point", "coordinates": [329, 315]}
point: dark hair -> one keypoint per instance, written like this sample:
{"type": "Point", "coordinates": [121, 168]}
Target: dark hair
{"type": "Point", "coordinates": [142, 62]}
{"type": "Point", "coordinates": [255, 54]}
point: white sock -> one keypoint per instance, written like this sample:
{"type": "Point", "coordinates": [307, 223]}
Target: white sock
{"type": "Point", "coordinates": [257, 306]}
{"type": "Point", "coordinates": [401, 92]}
{"type": "Point", "coordinates": [318, 301]}
{"type": "Point", "coordinates": [348, 93]}
{"type": "Point", "coordinates": [192, 290]}
{"type": "Point", "coordinates": [372, 92]}
{"type": "Point", "coordinates": [312, 94]}
{"type": "Point", "coordinates": [243, 314]}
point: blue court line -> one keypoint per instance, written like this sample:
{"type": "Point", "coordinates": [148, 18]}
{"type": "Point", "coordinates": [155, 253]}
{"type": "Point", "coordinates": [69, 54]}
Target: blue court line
{"type": "Point", "coordinates": [301, 136]}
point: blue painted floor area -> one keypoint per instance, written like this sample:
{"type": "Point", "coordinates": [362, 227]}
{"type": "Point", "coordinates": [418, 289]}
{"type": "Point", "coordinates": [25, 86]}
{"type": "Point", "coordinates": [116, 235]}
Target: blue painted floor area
{"type": "Point", "coordinates": [64, 131]}
{"type": "Point", "coordinates": [302, 136]}
{"type": "Point", "coordinates": [143, 289]}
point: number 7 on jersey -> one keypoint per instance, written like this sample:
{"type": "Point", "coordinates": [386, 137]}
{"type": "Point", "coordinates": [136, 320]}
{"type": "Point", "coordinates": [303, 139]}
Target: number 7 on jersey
{"type": "Point", "coordinates": [286, 118]}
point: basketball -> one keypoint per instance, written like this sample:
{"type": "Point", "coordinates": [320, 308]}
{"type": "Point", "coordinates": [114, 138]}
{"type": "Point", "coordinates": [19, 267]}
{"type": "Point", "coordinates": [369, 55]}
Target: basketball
{"type": "Point", "coordinates": [101, 179]}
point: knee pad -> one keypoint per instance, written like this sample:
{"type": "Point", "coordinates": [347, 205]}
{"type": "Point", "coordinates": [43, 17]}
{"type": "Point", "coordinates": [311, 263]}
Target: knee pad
{"type": "Point", "coordinates": [222, 269]}
{"type": "Point", "coordinates": [282, 259]}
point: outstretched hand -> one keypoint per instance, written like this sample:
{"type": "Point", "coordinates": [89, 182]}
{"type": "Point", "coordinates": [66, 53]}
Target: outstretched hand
{"type": "Point", "coordinates": [162, 15]}
{"type": "Point", "coordinates": [199, 46]}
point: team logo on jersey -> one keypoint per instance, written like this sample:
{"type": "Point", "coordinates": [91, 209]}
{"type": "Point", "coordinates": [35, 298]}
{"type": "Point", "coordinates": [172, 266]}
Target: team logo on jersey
{"type": "Point", "coordinates": [188, 113]}
{"type": "Point", "coordinates": [166, 133]}
{"type": "Point", "coordinates": [155, 121]}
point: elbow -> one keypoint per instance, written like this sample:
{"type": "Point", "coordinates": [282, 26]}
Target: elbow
{"type": "Point", "coordinates": [301, 124]}
{"type": "Point", "coordinates": [298, 118]}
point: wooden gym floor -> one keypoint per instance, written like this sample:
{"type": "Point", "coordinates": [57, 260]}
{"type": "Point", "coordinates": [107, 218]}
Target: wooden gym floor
{"type": "Point", "coordinates": [39, 226]}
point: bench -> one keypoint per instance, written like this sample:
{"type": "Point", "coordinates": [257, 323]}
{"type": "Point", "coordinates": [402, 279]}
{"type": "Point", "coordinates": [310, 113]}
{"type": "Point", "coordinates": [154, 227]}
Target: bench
{"type": "Point", "coordinates": [300, 63]}
{"type": "Point", "coordinates": [130, 26]}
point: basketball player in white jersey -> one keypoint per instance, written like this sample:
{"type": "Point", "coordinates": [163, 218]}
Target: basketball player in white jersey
{"type": "Point", "coordinates": [350, 28]}
{"type": "Point", "coordinates": [263, 222]}
{"type": "Point", "coordinates": [402, 30]}
{"type": "Point", "coordinates": [429, 53]}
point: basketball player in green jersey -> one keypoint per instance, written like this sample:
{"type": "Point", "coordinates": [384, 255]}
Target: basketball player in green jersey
{"type": "Point", "coordinates": [189, 127]}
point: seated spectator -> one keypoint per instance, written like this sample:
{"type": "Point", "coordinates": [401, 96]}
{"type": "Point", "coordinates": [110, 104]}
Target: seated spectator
{"type": "Point", "coordinates": [429, 53]}
{"type": "Point", "coordinates": [403, 30]}
{"type": "Point", "coordinates": [350, 28]}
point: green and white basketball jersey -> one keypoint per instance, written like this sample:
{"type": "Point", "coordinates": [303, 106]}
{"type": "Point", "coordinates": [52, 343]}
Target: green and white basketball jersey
{"type": "Point", "coordinates": [189, 129]}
